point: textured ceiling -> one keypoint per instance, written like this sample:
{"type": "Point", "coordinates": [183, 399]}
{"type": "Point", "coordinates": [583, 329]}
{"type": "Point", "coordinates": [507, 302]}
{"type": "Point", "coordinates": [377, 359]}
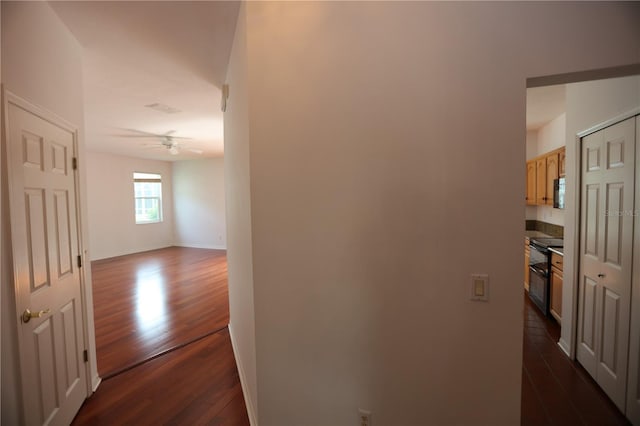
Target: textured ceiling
{"type": "Point", "coordinates": [544, 104]}
{"type": "Point", "coordinates": [175, 53]}
{"type": "Point", "coordinates": [139, 53]}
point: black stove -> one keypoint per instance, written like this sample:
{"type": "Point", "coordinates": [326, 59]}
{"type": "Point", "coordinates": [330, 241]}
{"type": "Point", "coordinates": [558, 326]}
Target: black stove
{"type": "Point", "coordinates": [540, 270]}
{"type": "Point", "coordinates": [547, 242]}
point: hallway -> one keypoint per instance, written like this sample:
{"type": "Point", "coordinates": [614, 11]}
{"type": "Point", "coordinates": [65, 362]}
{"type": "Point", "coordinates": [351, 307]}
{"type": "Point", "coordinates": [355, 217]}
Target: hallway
{"type": "Point", "coordinates": [195, 384]}
{"type": "Point", "coordinates": [180, 368]}
{"type": "Point", "coordinates": [164, 350]}
{"type": "Point", "coordinates": [147, 303]}
{"type": "Point", "coordinates": [556, 390]}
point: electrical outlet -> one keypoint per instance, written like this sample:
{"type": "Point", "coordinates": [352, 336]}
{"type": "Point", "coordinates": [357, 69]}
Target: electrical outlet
{"type": "Point", "coordinates": [364, 417]}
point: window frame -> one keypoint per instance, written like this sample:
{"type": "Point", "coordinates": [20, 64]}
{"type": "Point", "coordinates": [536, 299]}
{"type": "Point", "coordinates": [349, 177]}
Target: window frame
{"type": "Point", "coordinates": [146, 177]}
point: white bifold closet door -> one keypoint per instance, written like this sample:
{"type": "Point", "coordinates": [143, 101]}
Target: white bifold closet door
{"type": "Point", "coordinates": [606, 242]}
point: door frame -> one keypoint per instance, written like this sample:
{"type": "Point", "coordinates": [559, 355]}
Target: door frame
{"type": "Point", "coordinates": [633, 370]}
{"type": "Point", "coordinates": [2, 144]}
{"type": "Point", "coordinates": [9, 98]}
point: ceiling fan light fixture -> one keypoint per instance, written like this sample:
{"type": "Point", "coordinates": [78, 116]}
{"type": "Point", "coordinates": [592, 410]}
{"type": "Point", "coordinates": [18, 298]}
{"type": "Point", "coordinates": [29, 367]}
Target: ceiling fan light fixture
{"type": "Point", "coordinates": [174, 150]}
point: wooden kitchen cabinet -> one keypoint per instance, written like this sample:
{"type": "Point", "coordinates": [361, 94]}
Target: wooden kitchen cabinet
{"type": "Point", "coordinates": [541, 172]}
{"type": "Point", "coordinates": [552, 174]}
{"type": "Point", "coordinates": [531, 183]}
{"type": "Point", "coordinates": [527, 255]}
{"type": "Point", "coordinates": [556, 286]}
{"type": "Point", "coordinates": [541, 181]}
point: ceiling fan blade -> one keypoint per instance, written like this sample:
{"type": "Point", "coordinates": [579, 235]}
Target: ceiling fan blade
{"type": "Point", "coordinates": [135, 136]}
{"type": "Point", "coordinates": [142, 132]}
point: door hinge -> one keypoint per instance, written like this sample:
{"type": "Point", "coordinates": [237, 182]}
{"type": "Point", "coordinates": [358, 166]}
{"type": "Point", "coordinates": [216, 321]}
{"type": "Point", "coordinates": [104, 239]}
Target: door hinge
{"type": "Point", "coordinates": [79, 261]}
{"type": "Point", "coordinates": [85, 355]}
{"type": "Point", "coordinates": [74, 163]}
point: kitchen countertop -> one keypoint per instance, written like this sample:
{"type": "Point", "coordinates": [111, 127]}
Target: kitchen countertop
{"type": "Point", "coordinates": [557, 250]}
{"type": "Point", "coordinates": [536, 234]}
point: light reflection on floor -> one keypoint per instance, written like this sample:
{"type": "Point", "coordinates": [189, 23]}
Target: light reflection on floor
{"type": "Point", "coordinates": [151, 299]}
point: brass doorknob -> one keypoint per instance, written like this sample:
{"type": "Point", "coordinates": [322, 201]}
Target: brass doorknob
{"type": "Point", "coordinates": [27, 314]}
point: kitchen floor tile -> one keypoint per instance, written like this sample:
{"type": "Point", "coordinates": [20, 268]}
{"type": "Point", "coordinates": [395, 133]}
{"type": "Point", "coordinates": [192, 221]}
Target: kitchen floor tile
{"type": "Point", "coordinates": [555, 389]}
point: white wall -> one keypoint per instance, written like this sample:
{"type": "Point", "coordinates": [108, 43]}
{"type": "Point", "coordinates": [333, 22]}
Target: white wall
{"type": "Point", "coordinates": [531, 144]}
{"type": "Point", "coordinates": [198, 200]}
{"type": "Point", "coordinates": [111, 212]}
{"type": "Point", "coordinates": [238, 206]}
{"type": "Point", "coordinates": [41, 62]}
{"type": "Point", "coordinates": [383, 140]}
{"type": "Point", "coordinates": [588, 104]}
{"type": "Point", "coordinates": [552, 135]}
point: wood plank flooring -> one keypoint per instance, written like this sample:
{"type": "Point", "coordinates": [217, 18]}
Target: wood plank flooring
{"type": "Point", "coordinates": [196, 384]}
{"type": "Point", "coordinates": [164, 351]}
{"type": "Point", "coordinates": [556, 390]}
{"type": "Point", "coordinates": [148, 303]}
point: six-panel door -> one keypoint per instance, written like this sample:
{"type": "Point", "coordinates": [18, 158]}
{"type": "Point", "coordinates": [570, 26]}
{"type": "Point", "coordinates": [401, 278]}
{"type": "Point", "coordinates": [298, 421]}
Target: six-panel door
{"type": "Point", "coordinates": [45, 248]}
{"type": "Point", "coordinates": [607, 203]}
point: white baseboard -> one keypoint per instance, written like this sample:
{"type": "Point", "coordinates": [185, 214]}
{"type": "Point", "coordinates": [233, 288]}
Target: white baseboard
{"type": "Point", "coordinates": [247, 401]}
{"type": "Point", "coordinates": [202, 246]}
{"type": "Point", "coordinates": [127, 252]}
{"type": "Point", "coordinates": [95, 382]}
{"type": "Point", "coordinates": [565, 347]}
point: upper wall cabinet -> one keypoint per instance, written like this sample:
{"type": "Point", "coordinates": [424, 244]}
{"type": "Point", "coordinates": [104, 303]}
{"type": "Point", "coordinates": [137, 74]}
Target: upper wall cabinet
{"type": "Point", "coordinates": [541, 172]}
{"type": "Point", "coordinates": [552, 174]}
{"type": "Point", "coordinates": [531, 183]}
{"type": "Point", "coordinates": [541, 181]}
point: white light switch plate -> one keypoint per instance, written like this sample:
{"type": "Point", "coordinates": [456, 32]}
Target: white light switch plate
{"type": "Point", "coordinates": [479, 288]}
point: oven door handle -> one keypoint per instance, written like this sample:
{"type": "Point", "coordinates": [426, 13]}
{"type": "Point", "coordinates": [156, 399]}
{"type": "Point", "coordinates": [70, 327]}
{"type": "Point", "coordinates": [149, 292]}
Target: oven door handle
{"type": "Point", "coordinates": [539, 249]}
{"type": "Point", "coordinates": [538, 271]}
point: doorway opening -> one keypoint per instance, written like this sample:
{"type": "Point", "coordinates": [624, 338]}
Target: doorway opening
{"type": "Point", "coordinates": [551, 329]}
{"type": "Point", "coordinates": [159, 274]}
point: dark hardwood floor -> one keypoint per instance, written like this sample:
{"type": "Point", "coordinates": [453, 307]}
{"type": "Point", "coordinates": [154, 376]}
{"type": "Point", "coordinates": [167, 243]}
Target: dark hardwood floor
{"type": "Point", "coordinates": [152, 310]}
{"type": "Point", "coordinates": [148, 303]}
{"type": "Point", "coordinates": [196, 384]}
{"type": "Point", "coordinates": [556, 390]}
{"type": "Point", "coordinates": [164, 351]}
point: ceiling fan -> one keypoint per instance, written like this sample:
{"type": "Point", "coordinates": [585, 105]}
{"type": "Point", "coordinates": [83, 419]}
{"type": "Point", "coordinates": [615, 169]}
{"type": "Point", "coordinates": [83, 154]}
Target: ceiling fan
{"type": "Point", "coordinates": [165, 141]}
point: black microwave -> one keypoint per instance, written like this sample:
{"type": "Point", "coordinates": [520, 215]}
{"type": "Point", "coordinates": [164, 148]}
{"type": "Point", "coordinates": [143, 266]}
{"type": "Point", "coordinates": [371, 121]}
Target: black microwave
{"type": "Point", "coordinates": [558, 193]}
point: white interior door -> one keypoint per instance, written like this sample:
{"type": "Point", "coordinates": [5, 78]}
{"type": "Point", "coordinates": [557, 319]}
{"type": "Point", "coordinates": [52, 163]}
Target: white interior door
{"type": "Point", "coordinates": [47, 280]}
{"type": "Point", "coordinates": [606, 238]}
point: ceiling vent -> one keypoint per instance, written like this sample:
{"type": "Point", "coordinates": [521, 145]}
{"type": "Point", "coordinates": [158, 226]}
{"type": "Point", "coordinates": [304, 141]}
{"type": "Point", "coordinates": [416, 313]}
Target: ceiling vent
{"type": "Point", "coordinates": [163, 108]}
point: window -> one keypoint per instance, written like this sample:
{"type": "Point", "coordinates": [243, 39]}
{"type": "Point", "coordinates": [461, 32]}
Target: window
{"type": "Point", "coordinates": [147, 189]}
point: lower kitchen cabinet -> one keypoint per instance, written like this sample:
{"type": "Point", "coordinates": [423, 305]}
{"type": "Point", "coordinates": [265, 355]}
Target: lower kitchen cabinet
{"type": "Point", "coordinates": [556, 286]}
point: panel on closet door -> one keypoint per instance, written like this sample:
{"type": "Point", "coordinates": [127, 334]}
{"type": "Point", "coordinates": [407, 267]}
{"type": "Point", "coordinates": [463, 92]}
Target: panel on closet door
{"type": "Point", "coordinates": [613, 218]}
{"type": "Point", "coordinates": [591, 218]}
{"type": "Point", "coordinates": [610, 323]}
